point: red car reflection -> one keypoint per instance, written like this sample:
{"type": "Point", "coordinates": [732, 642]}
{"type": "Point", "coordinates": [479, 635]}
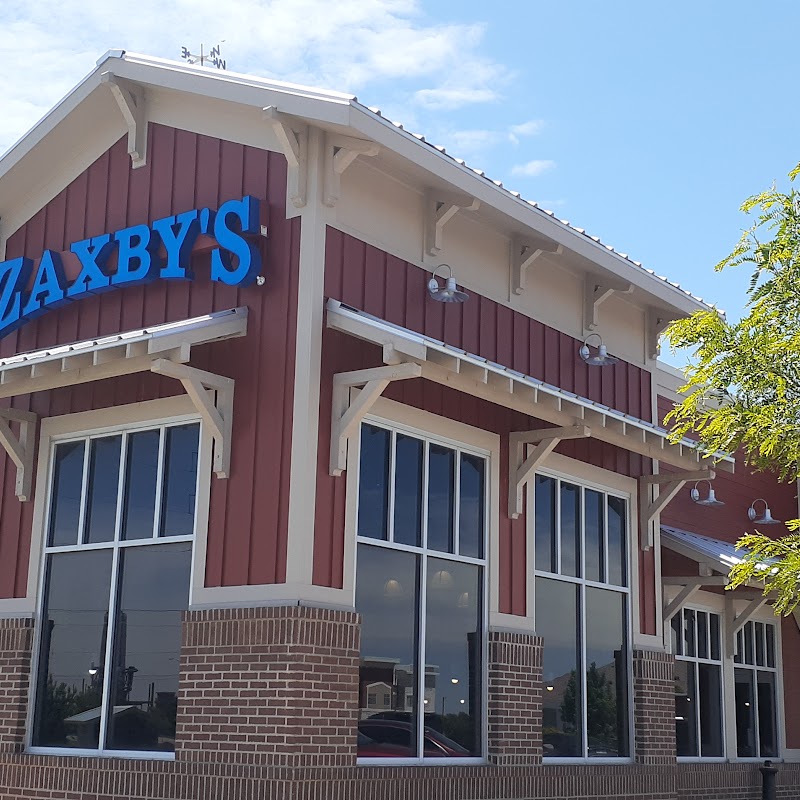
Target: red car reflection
{"type": "Point", "coordinates": [396, 735]}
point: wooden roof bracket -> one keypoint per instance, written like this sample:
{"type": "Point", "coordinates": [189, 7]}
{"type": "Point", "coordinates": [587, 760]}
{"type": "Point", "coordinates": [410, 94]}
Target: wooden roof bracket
{"type": "Point", "coordinates": [596, 291]}
{"type": "Point", "coordinates": [132, 102]}
{"type": "Point", "coordinates": [21, 449]}
{"type": "Point", "coordinates": [293, 140]}
{"type": "Point", "coordinates": [657, 323]}
{"type": "Point", "coordinates": [669, 484]}
{"type": "Point", "coordinates": [346, 414]}
{"type": "Point", "coordinates": [340, 153]}
{"type": "Point", "coordinates": [524, 253]}
{"type": "Point", "coordinates": [521, 469]}
{"type": "Point", "coordinates": [217, 413]}
{"type": "Point", "coordinates": [734, 622]}
{"type": "Point", "coordinates": [442, 206]}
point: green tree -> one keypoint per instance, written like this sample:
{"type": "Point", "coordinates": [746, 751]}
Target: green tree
{"type": "Point", "coordinates": [743, 388]}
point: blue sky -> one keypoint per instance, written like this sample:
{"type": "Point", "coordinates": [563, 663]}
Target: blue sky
{"type": "Point", "coordinates": [645, 123]}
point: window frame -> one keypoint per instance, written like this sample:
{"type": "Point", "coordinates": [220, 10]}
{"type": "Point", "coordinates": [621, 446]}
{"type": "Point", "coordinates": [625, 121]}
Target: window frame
{"type": "Point", "coordinates": [460, 438]}
{"type": "Point", "coordinates": [90, 425]}
{"type": "Point", "coordinates": [630, 589]}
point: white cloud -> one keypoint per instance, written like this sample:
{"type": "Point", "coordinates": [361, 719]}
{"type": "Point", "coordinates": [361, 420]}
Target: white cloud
{"type": "Point", "coordinates": [48, 47]}
{"type": "Point", "coordinates": [532, 169]}
{"type": "Point", "coordinates": [529, 128]}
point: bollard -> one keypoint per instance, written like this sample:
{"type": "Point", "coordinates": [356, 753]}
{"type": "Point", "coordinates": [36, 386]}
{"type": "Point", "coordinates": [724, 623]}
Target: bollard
{"type": "Point", "coordinates": [768, 773]}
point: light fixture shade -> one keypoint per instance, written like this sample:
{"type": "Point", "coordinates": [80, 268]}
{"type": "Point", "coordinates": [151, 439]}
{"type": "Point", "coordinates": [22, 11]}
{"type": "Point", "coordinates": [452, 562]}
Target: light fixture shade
{"type": "Point", "coordinates": [393, 588]}
{"type": "Point", "coordinates": [766, 518]}
{"type": "Point", "coordinates": [449, 293]}
{"type": "Point", "coordinates": [711, 500]}
{"type": "Point", "coordinates": [601, 358]}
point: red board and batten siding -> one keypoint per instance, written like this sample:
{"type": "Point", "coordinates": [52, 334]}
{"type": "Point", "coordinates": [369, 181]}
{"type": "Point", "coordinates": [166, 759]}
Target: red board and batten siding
{"type": "Point", "coordinates": [248, 516]}
{"type": "Point", "coordinates": [388, 287]}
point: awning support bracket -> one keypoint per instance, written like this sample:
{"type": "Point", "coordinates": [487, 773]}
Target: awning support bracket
{"type": "Point", "coordinates": [521, 469]}
{"type": "Point", "coordinates": [595, 292]}
{"type": "Point", "coordinates": [340, 153]}
{"type": "Point", "coordinates": [442, 207]}
{"type": "Point", "coordinates": [346, 415]}
{"type": "Point", "coordinates": [669, 485]}
{"type": "Point", "coordinates": [131, 100]}
{"type": "Point", "coordinates": [217, 414]}
{"type": "Point", "coordinates": [524, 253]}
{"type": "Point", "coordinates": [21, 449]}
{"type": "Point", "coordinates": [293, 140]}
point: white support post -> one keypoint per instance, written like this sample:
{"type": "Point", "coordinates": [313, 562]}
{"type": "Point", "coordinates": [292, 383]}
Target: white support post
{"type": "Point", "coordinates": [524, 253]}
{"type": "Point", "coordinates": [521, 471]}
{"type": "Point", "coordinates": [217, 414]}
{"type": "Point", "coordinates": [293, 141]}
{"type": "Point", "coordinates": [669, 486]}
{"type": "Point", "coordinates": [680, 600]}
{"type": "Point", "coordinates": [346, 415]}
{"type": "Point", "coordinates": [441, 208]}
{"type": "Point", "coordinates": [595, 292]}
{"type": "Point", "coordinates": [340, 153]}
{"type": "Point", "coordinates": [20, 448]}
{"type": "Point", "coordinates": [131, 100]}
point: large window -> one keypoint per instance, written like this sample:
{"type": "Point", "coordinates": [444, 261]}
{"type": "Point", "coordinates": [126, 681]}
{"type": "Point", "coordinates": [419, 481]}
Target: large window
{"type": "Point", "coordinates": [117, 560]}
{"type": "Point", "coordinates": [582, 609]}
{"type": "Point", "coordinates": [698, 683]}
{"type": "Point", "coordinates": [420, 590]}
{"type": "Point", "coordinates": [755, 677]}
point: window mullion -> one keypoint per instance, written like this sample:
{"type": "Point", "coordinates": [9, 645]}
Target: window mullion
{"type": "Point", "coordinates": [456, 501]}
{"type": "Point", "coordinates": [121, 480]}
{"type": "Point", "coordinates": [84, 491]}
{"type": "Point", "coordinates": [391, 488]}
{"type": "Point", "coordinates": [604, 563]}
{"type": "Point", "coordinates": [557, 515]}
{"type": "Point", "coordinates": [108, 661]}
{"type": "Point", "coordinates": [162, 457]}
{"type": "Point", "coordinates": [582, 667]}
{"type": "Point", "coordinates": [422, 571]}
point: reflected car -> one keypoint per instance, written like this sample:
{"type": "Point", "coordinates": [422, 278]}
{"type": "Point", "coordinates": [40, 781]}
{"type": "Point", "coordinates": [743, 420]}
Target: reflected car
{"type": "Point", "coordinates": [398, 733]}
{"type": "Point", "coordinates": [369, 748]}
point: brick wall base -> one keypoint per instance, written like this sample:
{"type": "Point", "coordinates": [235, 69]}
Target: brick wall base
{"type": "Point", "coordinates": [16, 644]}
{"type": "Point", "coordinates": [654, 706]}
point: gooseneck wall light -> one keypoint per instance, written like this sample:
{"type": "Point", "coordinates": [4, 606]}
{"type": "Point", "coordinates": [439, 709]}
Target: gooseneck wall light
{"type": "Point", "coordinates": [600, 358]}
{"type": "Point", "coordinates": [766, 518]}
{"type": "Point", "coordinates": [449, 293]}
{"type": "Point", "coordinates": [711, 500]}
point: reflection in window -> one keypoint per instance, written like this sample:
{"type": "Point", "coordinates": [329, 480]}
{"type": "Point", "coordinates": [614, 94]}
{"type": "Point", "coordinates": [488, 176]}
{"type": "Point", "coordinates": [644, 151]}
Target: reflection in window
{"type": "Point", "coordinates": [422, 607]}
{"type": "Point", "coordinates": [582, 532]}
{"type": "Point", "coordinates": [107, 673]}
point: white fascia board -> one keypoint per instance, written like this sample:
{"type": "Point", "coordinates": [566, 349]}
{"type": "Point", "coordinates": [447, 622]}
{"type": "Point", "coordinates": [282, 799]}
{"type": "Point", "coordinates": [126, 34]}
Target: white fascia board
{"type": "Point", "coordinates": [462, 177]}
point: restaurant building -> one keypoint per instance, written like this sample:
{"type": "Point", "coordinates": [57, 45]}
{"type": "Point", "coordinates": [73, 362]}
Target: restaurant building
{"type": "Point", "coordinates": [333, 469]}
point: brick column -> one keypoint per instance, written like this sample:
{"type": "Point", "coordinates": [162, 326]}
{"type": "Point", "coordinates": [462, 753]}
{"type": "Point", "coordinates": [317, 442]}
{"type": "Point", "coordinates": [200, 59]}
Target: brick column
{"type": "Point", "coordinates": [515, 698]}
{"type": "Point", "coordinates": [654, 706]}
{"type": "Point", "coordinates": [16, 642]}
{"type": "Point", "coordinates": [269, 686]}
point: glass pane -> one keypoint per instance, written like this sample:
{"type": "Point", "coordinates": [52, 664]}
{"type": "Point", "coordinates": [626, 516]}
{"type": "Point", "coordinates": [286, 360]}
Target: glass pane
{"type": "Point", "coordinates": [386, 598]}
{"type": "Point", "coordinates": [472, 506]}
{"type": "Point", "coordinates": [759, 635]}
{"type": "Point", "coordinates": [65, 505]}
{"type": "Point", "coordinates": [606, 674]}
{"type": "Point", "coordinates": [373, 483]}
{"type": "Point", "coordinates": [441, 497]}
{"type": "Point", "coordinates": [101, 503]}
{"type": "Point", "coordinates": [676, 628]}
{"type": "Point", "coordinates": [749, 655]}
{"type": "Point", "coordinates": [710, 710]}
{"type": "Point", "coordinates": [71, 663]}
{"type": "Point", "coordinates": [685, 709]}
{"type": "Point", "coordinates": [570, 529]}
{"type": "Point", "coordinates": [702, 634]}
{"type": "Point", "coordinates": [408, 490]}
{"type": "Point", "coordinates": [140, 485]}
{"type": "Point", "coordinates": [714, 637]}
{"type": "Point", "coordinates": [180, 480]}
{"type": "Point", "coordinates": [153, 593]}
{"type": "Point", "coordinates": [562, 690]}
{"type": "Point", "coordinates": [594, 535]}
{"type": "Point", "coordinates": [617, 527]}
{"type": "Point", "coordinates": [745, 718]}
{"type": "Point", "coordinates": [688, 632]}
{"type": "Point", "coordinates": [545, 533]}
{"type": "Point", "coordinates": [767, 739]}
{"type": "Point", "coordinates": [739, 649]}
{"type": "Point", "coordinates": [770, 645]}
{"type": "Point", "coordinates": [453, 659]}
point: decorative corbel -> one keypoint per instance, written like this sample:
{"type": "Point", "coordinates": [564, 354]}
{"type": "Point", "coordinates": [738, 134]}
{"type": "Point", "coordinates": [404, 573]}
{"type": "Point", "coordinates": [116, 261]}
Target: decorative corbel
{"type": "Point", "coordinates": [669, 485]}
{"type": "Point", "coordinates": [521, 469]}
{"type": "Point", "coordinates": [595, 292]}
{"type": "Point", "coordinates": [20, 448]}
{"type": "Point", "coordinates": [524, 252]}
{"type": "Point", "coordinates": [293, 140]}
{"type": "Point", "coordinates": [442, 206]}
{"type": "Point", "coordinates": [131, 100]}
{"type": "Point", "coordinates": [657, 323]}
{"type": "Point", "coordinates": [340, 153]}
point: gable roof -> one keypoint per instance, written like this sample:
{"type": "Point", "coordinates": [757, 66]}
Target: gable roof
{"type": "Point", "coordinates": [23, 177]}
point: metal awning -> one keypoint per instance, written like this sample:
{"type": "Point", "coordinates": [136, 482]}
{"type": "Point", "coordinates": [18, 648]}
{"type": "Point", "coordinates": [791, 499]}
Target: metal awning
{"type": "Point", "coordinates": [445, 364]}
{"type": "Point", "coordinates": [714, 553]}
{"type": "Point", "coordinates": [164, 349]}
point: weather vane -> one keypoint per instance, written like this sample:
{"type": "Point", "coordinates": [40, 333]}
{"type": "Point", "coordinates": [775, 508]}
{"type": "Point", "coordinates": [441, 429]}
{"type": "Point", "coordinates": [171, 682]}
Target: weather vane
{"type": "Point", "coordinates": [213, 58]}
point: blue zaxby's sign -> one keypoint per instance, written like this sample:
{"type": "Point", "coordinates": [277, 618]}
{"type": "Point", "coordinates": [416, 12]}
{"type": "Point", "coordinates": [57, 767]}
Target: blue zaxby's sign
{"type": "Point", "coordinates": [143, 254]}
